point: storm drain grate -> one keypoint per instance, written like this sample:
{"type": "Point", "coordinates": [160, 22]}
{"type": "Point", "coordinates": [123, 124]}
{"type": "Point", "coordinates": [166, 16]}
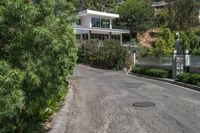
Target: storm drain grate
{"type": "Point", "coordinates": [144, 104]}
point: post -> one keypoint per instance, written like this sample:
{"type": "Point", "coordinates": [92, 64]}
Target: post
{"type": "Point", "coordinates": [174, 69]}
{"type": "Point", "coordinates": [89, 35]}
{"type": "Point", "coordinates": [121, 39]}
{"type": "Point", "coordinates": [134, 59]}
{"type": "Point", "coordinates": [187, 61]}
{"type": "Point", "coordinates": [81, 36]}
{"type": "Point", "coordinates": [110, 23]}
{"type": "Point", "coordinates": [109, 35]}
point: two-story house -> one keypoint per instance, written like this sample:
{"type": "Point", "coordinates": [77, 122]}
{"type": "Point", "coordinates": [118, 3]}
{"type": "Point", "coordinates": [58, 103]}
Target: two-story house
{"type": "Point", "coordinates": [97, 25]}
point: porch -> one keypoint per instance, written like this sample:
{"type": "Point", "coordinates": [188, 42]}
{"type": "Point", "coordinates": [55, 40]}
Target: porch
{"type": "Point", "coordinates": [97, 33]}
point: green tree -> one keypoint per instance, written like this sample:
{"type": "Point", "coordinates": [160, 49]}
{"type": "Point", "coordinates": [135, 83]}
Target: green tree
{"type": "Point", "coordinates": [136, 15]}
{"type": "Point", "coordinates": [99, 5]}
{"type": "Point", "coordinates": [190, 39]}
{"type": "Point", "coordinates": [179, 14]}
{"type": "Point", "coordinates": [186, 14]}
{"type": "Point", "coordinates": [163, 18]}
{"type": "Point", "coordinates": [37, 39]}
{"type": "Point", "coordinates": [164, 45]}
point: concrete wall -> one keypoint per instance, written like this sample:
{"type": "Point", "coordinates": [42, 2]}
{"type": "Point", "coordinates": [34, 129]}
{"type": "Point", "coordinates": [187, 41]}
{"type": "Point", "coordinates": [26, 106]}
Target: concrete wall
{"type": "Point", "coordinates": [164, 67]}
{"type": "Point", "coordinates": [194, 69]}
{"type": "Point", "coordinates": [169, 67]}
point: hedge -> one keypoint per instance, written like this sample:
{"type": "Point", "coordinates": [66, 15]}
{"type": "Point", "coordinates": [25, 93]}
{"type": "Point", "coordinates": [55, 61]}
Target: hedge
{"type": "Point", "coordinates": [189, 78]}
{"type": "Point", "coordinates": [151, 72]}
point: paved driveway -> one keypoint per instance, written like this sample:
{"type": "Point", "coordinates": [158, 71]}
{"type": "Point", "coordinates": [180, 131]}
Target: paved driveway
{"type": "Point", "coordinates": [104, 104]}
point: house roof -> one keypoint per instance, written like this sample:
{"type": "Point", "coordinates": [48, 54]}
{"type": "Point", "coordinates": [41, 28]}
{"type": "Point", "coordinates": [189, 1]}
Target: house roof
{"type": "Point", "coordinates": [159, 4]}
{"type": "Point", "coordinates": [97, 13]}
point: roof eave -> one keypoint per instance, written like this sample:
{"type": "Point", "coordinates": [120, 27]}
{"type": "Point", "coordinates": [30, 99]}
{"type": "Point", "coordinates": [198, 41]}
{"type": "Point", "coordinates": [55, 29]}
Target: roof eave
{"type": "Point", "coordinates": [97, 13]}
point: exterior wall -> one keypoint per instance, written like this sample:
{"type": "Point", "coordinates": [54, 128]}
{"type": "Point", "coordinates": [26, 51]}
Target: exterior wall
{"type": "Point", "coordinates": [102, 32]}
{"type": "Point", "coordinates": [86, 22]}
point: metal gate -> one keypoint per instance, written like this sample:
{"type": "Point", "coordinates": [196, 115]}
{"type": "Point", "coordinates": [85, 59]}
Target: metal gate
{"type": "Point", "coordinates": [178, 65]}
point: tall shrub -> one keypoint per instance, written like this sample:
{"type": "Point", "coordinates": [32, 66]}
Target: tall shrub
{"type": "Point", "coordinates": [106, 54]}
{"type": "Point", "coordinates": [12, 97]}
{"type": "Point", "coordinates": [37, 39]}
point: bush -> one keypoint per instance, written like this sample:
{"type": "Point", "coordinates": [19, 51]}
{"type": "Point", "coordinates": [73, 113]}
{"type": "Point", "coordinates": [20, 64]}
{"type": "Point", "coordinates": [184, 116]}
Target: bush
{"type": "Point", "coordinates": [157, 73]}
{"type": "Point", "coordinates": [189, 78]}
{"type": "Point", "coordinates": [151, 72]}
{"type": "Point", "coordinates": [39, 45]}
{"type": "Point", "coordinates": [12, 97]}
{"type": "Point", "coordinates": [107, 54]}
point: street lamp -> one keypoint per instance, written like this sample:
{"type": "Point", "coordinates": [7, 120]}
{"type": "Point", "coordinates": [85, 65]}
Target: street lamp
{"type": "Point", "coordinates": [178, 46]}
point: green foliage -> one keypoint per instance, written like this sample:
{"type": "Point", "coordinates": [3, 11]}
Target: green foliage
{"type": "Point", "coordinates": [191, 40]}
{"type": "Point", "coordinates": [99, 5]}
{"type": "Point", "coordinates": [151, 72]}
{"type": "Point", "coordinates": [37, 39]}
{"type": "Point", "coordinates": [163, 18]}
{"type": "Point", "coordinates": [107, 54]}
{"type": "Point", "coordinates": [11, 97]}
{"type": "Point", "coordinates": [142, 51]}
{"type": "Point", "coordinates": [186, 14]}
{"type": "Point", "coordinates": [157, 73]}
{"type": "Point", "coordinates": [136, 15]}
{"type": "Point", "coordinates": [189, 78]}
{"type": "Point", "coordinates": [164, 45]}
{"type": "Point", "coordinates": [196, 51]}
{"type": "Point", "coordinates": [180, 15]}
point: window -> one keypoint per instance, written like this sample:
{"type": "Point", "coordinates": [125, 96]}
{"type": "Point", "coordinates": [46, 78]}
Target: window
{"type": "Point", "coordinates": [116, 37]}
{"type": "Point", "coordinates": [105, 23]}
{"type": "Point", "coordinates": [100, 23]}
{"type": "Point", "coordinates": [78, 22]}
{"type": "Point", "coordinates": [85, 36]}
{"type": "Point", "coordinates": [99, 36]}
{"type": "Point", "coordinates": [78, 36]}
{"type": "Point", "coordinates": [96, 22]}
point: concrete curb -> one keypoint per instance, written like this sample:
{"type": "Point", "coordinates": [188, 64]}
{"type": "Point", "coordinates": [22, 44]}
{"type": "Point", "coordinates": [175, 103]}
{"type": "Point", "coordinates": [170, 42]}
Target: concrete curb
{"type": "Point", "coordinates": [171, 81]}
{"type": "Point", "coordinates": [60, 121]}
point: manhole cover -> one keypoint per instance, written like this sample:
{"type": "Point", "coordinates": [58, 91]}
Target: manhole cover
{"type": "Point", "coordinates": [144, 104]}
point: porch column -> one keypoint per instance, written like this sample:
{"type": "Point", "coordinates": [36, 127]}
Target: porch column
{"type": "Point", "coordinates": [89, 35]}
{"type": "Point", "coordinates": [81, 36]}
{"type": "Point", "coordinates": [121, 39]}
{"type": "Point", "coordinates": [110, 23]}
{"type": "Point", "coordinates": [109, 35]}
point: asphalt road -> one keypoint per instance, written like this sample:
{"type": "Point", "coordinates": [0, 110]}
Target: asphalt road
{"type": "Point", "coordinates": [104, 104]}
